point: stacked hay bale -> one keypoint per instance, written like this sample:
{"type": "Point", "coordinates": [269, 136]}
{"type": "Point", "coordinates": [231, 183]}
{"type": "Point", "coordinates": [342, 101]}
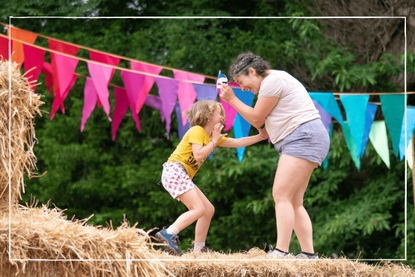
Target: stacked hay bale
{"type": "Point", "coordinates": [38, 241]}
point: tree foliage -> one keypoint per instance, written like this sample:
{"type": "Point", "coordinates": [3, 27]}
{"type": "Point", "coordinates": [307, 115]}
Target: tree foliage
{"type": "Point", "coordinates": [354, 213]}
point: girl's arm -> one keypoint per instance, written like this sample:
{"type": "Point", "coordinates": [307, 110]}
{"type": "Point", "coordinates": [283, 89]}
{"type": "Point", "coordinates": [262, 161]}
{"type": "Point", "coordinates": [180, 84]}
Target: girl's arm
{"type": "Point", "coordinates": [256, 115]}
{"type": "Point", "coordinates": [202, 152]}
{"type": "Point", "coordinates": [242, 142]}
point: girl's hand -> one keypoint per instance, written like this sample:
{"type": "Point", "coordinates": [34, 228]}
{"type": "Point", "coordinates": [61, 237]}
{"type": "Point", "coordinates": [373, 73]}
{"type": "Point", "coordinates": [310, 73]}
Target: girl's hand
{"type": "Point", "coordinates": [263, 133]}
{"type": "Point", "coordinates": [226, 93]}
{"type": "Point", "coordinates": [216, 133]}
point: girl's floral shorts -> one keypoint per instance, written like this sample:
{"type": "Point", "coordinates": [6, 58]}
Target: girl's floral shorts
{"type": "Point", "coordinates": [175, 179]}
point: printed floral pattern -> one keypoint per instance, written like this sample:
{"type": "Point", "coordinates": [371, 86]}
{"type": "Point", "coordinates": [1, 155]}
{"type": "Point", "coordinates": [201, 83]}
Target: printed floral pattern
{"type": "Point", "coordinates": [175, 179]}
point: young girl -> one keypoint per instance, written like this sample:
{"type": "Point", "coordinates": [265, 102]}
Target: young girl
{"type": "Point", "coordinates": [206, 118]}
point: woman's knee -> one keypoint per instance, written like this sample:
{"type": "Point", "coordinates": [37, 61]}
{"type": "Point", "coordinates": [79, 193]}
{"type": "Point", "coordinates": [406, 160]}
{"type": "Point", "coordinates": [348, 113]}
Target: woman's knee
{"type": "Point", "coordinates": [279, 197]}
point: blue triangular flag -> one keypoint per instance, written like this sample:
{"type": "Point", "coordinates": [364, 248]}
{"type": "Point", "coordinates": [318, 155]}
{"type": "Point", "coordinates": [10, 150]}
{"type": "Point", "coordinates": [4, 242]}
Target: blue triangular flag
{"type": "Point", "coordinates": [410, 126]}
{"type": "Point", "coordinates": [182, 129]}
{"type": "Point", "coordinates": [370, 116]}
{"type": "Point", "coordinates": [355, 107]}
{"type": "Point", "coordinates": [329, 104]}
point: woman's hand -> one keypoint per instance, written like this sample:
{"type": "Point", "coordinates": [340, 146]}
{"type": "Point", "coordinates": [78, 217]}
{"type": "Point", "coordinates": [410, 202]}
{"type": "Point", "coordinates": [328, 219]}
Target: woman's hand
{"type": "Point", "coordinates": [263, 133]}
{"type": "Point", "coordinates": [226, 93]}
{"type": "Point", "coordinates": [216, 133]}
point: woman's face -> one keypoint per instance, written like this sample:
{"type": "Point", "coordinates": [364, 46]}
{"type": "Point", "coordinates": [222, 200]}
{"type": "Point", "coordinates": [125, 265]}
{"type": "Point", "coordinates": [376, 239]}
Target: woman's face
{"type": "Point", "coordinates": [251, 82]}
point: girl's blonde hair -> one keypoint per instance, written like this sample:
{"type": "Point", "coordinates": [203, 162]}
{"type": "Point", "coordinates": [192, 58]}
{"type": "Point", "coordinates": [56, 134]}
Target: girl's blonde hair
{"type": "Point", "coordinates": [201, 111]}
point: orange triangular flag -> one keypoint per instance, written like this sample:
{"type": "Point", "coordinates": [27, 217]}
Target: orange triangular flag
{"type": "Point", "coordinates": [17, 47]}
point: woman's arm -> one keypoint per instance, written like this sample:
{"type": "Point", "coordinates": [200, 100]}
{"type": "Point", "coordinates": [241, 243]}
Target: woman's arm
{"type": "Point", "coordinates": [202, 152]}
{"type": "Point", "coordinates": [242, 142]}
{"type": "Point", "coordinates": [256, 115]}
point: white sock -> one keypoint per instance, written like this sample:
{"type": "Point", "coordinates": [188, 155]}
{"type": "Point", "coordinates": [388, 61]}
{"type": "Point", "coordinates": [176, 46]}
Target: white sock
{"type": "Point", "coordinates": [172, 230]}
{"type": "Point", "coordinates": [199, 245]}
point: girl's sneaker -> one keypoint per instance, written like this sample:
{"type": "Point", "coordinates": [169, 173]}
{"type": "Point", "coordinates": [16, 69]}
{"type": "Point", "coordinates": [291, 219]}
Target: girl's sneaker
{"type": "Point", "coordinates": [306, 256]}
{"type": "Point", "coordinates": [170, 242]}
{"type": "Point", "coordinates": [275, 253]}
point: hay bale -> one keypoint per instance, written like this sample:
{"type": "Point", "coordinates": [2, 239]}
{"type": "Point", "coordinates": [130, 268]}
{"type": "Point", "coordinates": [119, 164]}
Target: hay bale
{"type": "Point", "coordinates": [46, 234]}
{"type": "Point", "coordinates": [19, 108]}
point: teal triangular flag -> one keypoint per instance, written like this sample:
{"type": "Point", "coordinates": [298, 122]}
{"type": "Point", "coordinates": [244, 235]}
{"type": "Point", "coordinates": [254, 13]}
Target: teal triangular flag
{"type": "Point", "coordinates": [241, 127]}
{"type": "Point", "coordinates": [370, 116]}
{"type": "Point", "coordinates": [327, 101]}
{"type": "Point", "coordinates": [326, 160]}
{"type": "Point", "coordinates": [393, 108]}
{"type": "Point", "coordinates": [410, 126]}
{"type": "Point", "coordinates": [355, 107]}
{"type": "Point", "coordinates": [351, 146]}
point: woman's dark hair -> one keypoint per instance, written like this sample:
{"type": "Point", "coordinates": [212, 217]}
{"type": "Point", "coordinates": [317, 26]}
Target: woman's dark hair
{"type": "Point", "coordinates": [246, 60]}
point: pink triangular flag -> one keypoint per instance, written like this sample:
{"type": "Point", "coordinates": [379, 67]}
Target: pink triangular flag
{"type": "Point", "coordinates": [58, 64]}
{"type": "Point", "coordinates": [103, 58]}
{"type": "Point", "coordinates": [65, 67]}
{"type": "Point", "coordinates": [148, 82]}
{"type": "Point", "coordinates": [187, 94]}
{"type": "Point", "coordinates": [90, 99]}
{"type": "Point", "coordinates": [4, 48]}
{"type": "Point", "coordinates": [101, 74]}
{"type": "Point", "coordinates": [168, 93]}
{"type": "Point", "coordinates": [230, 111]}
{"type": "Point", "coordinates": [34, 57]}
{"type": "Point", "coordinates": [47, 70]}
{"type": "Point", "coordinates": [121, 106]}
{"type": "Point", "coordinates": [65, 93]}
{"type": "Point", "coordinates": [133, 83]}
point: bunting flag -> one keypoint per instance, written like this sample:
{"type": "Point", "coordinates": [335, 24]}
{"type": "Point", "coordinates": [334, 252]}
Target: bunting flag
{"type": "Point", "coordinates": [230, 111]}
{"type": "Point", "coordinates": [156, 103]}
{"type": "Point", "coordinates": [4, 48]}
{"type": "Point", "coordinates": [370, 116]}
{"type": "Point", "coordinates": [62, 71]}
{"type": "Point", "coordinates": [328, 103]}
{"type": "Point", "coordinates": [393, 108]}
{"type": "Point", "coordinates": [168, 89]}
{"type": "Point", "coordinates": [90, 99]}
{"type": "Point", "coordinates": [17, 47]}
{"type": "Point", "coordinates": [355, 107]}
{"type": "Point", "coordinates": [100, 75]}
{"type": "Point", "coordinates": [379, 139]}
{"type": "Point", "coordinates": [47, 70]}
{"type": "Point", "coordinates": [241, 127]}
{"type": "Point", "coordinates": [187, 94]}
{"type": "Point", "coordinates": [410, 126]}
{"type": "Point", "coordinates": [148, 82]}
{"type": "Point", "coordinates": [205, 92]}
{"type": "Point", "coordinates": [121, 107]}
{"type": "Point", "coordinates": [34, 59]}
{"type": "Point", "coordinates": [182, 128]}
{"type": "Point", "coordinates": [326, 159]}
{"type": "Point", "coordinates": [350, 144]}
{"type": "Point", "coordinates": [103, 58]}
{"type": "Point", "coordinates": [133, 83]}
{"type": "Point", "coordinates": [325, 117]}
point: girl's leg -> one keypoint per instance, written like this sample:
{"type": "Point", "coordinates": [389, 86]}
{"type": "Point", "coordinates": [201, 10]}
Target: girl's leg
{"type": "Point", "coordinates": [292, 175]}
{"type": "Point", "coordinates": [203, 223]}
{"type": "Point", "coordinates": [192, 200]}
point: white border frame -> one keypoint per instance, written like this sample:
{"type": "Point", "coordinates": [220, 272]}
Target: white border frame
{"type": "Point", "coordinates": [206, 17]}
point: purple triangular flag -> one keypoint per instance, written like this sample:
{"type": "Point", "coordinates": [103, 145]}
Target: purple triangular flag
{"type": "Point", "coordinates": [205, 92]}
{"type": "Point", "coordinates": [325, 117]}
{"type": "Point", "coordinates": [168, 89]}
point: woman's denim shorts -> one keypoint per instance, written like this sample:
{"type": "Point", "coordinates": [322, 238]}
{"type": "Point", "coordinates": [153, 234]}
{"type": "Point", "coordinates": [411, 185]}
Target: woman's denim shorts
{"type": "Point", "coordinates": [309, 141]}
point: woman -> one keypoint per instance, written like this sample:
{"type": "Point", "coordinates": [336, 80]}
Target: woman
{"type": "Point", "coordinates": [297, 132]}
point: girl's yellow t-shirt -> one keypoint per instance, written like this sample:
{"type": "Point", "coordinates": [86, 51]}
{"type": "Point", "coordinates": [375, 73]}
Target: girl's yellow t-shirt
{"type": "Point", "coordinates": [184, 152]}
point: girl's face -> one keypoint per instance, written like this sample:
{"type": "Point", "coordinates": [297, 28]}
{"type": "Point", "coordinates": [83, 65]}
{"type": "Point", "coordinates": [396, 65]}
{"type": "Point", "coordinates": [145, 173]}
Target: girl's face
{"type": "Point", "coordinates": [251, 82]}
{"type": "Point", "coordinates": [217, 116]}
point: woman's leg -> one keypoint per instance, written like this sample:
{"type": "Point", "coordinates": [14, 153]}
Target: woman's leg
{"type": "Point", "coordinates": [302, 225]}
{"type": "Point", "coordinates": [292, 176]}
{"type": "Point", "coordinates": [191, 199]}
